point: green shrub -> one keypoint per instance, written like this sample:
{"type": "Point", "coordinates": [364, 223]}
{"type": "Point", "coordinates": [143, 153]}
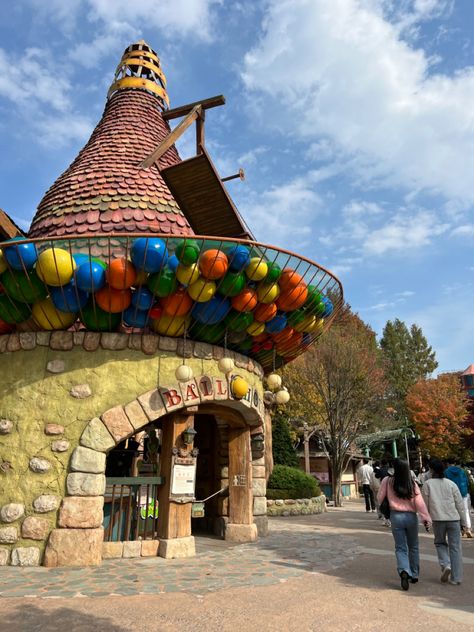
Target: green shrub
{"type": "Point", "coordinates": [290, 482]}
{"type": "Point", "coordinates": [282, 446]}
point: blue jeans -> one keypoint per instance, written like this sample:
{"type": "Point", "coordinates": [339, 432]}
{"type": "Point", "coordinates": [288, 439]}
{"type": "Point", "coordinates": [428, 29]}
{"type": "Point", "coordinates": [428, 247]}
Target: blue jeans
{"type": "Point", "coordinates": [450, 552]}
{"type": "Point", "coordinates": [405, 534]}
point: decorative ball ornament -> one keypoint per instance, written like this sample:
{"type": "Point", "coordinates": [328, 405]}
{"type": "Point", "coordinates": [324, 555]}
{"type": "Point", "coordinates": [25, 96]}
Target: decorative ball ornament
{"type": "Point", "coordinates": [257, 269]}
{"type": "Point", "coordinates": [187, 251]}
{"type": "Point", "coordinates": [213, 264]}
{"type": "Point", "coordinates": [187, 275]}
{"type": "Point", "coordinates": [149, 254]}
{"type": "Point", "coordinates": [239, 258]}
{"type": "Point", "coordinates": [90, 275]}
{"type": "Point", "coordinates": [255, 328]}
{"type": "Point", "coordinates": [183, 373]}
{"type": "Point", "coordinates": [202, 291]}
{"type": "Point", "coordinates": [274, 381]}
{"type": "Point", "coordinates": [268, 398]}
{"type": "Point", "coordinates": [226, 365]}
{"type": "Point", "coordinates": [47, 316]}
{"type": "Point", "coordinates": [21, 256]}
{"type": "Point", "coordinates": [121, 274]}
{"type": "Point", "coordinates": [282, 397]}
{"type": "Point", "coordinates": [239, 387]}
{"type": "Point", "coordinates": [55, 266]}
{"type": "Point", "coordinates": [268, 292]}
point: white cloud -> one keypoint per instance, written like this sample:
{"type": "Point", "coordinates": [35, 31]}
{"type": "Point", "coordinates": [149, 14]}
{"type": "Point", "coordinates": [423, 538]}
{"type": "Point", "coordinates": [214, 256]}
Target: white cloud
{"type": "Point", "coordinates": [60, 130]}
{"type": "Point", "coordinates": [109, 40]}
{"type": "Point", "coordinates": [466, 230]}
{"type": "Point", "coordinates": [356, 208]}
{"type": "Point", "coordinates": [367, 90]}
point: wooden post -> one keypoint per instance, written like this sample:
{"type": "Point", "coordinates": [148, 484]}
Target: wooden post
{"type": "Point", "coordinates": [200, 131]}
{"type": "Point", "coordinates": [240, 476]}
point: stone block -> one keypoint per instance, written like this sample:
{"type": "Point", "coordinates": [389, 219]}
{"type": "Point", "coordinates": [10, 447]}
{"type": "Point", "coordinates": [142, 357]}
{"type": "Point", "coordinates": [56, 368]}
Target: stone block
{"type": "Point", "coordinates": [259, 506]}
{"type": "Point", "coordinates": [6, 426]}
{"type": "Point", "coordinates": [96, 436]}
{"type": "Point", "coordinates": [60, 446]}
{"type": "Point", "coordinates": [81, 391]}
{"type": "Point", "coordinates": [218, 352]}
{"type": "Point", "coordinates": [12, 512]}
{"type": "Point", "coordinates": [259, 487]}
{"type": "Point", "coordinates": [81, 484]}
{"type": "Point", "coordinates": [13, 343]}
{"type": "Point", "coordinates": [136, 414]}
{"type": "Point", "coordinates": [45, 503]}
{"type": "Point", "coordinates": [259, 461]}
{"type": "Point", "coordinates": [150, 548]}
{"type": "Point", "coordinates": [220, 388]}
{"type": "Point", "coordinates": [113, 341]}
{"type": "Point", "coordinates": [135, 342]}
{"type": "Point", "coordinates": [91, 341]}
{"type": "Point", "coordinates": [262, 526]}
{"type": "Point", "coordinates": [39, 466]}
{"type": "Point", "coordinates": [152, 404]}
{"type": "Point", "coordinates": [202, 350]}
{"type": "Point", "coordinates": [241, 532]}
{"type": "Point", "coordinates": [177, 548]}
{"type": "Point", "coordinates": [132, 548]}
{"type": "Point", "coordinates": [111, 550]}
{"type": "Point", "coordinates": [53, 429]}
{"type": "Point", "coordinates": [8, 535]}
{"type": "Point", "coordinates": [26, 556]}
{"type": "Point", "coordinates": [27, 341]}
{"type": "Point", "coordinates": [149, 344]}
{"type": "Point", "coordinates": [81, 512]}
{"type": "Point", "coordinates": [258, 471]}
{"type": "Point", "coordinates": [61, 340]}
{"type": "Point", "coordinates": [42, 338]}
{"type": "Point", "coordinates": [34, 528]}
{"type": "Point", "coordinates": [167, 344]}
{"type": "Point", "coordinates": [289, 501]}
{"type": "Point", "coordinates": [279, 502]}
{"type": "Point", "coordinates": [3, 343]}
{"type": "Point", "coordinates": [74, 547]}
{"type": "Point", "coordinates": [4, 557]}
{"type": "Point", "coordinates": [55, 366]}
{"type": "Point", "coordinates": [116, 422]}
{"type": "Point", "coordinates": [87, 460]}
{"type": "Point", "coordinates": [185, 348]}
{"type": "Point", "coordinates": [78, 337]}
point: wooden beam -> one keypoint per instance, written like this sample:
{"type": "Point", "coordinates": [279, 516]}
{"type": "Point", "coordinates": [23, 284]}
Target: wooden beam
{"type": "Point", "coordinates": [240, 476]}
{"type": "Point", "coordinates": [200, 132]}
{"type": "Point", "coordinates": [206, 104]}
{"type": "Point", "coordinates": [172, 137]}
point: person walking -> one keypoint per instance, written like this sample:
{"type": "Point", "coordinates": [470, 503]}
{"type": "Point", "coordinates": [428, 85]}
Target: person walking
{"type": "Point", "coordinates": [364, 473]}
{"type": "Point", "coordinates": [456, 474]}
{"type": "Point", "coordinates": [375, 482]}
{"type": "Point", "coordinates": [445, 505]}
{"type": "Point", "coordinates": [406, 501]}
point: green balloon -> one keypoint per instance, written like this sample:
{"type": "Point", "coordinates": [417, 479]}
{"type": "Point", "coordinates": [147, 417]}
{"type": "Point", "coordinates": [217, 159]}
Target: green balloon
{"type": "Point", "coordinates": [246, 345]}
{"type": "Point", "coordinates": [273, 274]}
{"type": "Point", "coordinates": [162, 283]}
{"type": "Point", "coordinates": [210, 333]}
{"type": "Point", "coordinates": [13, 312]}
{"type": "Point", "coordinates": [95, 319]}
{"type": "Point", "coordinates": [296, 317]}
{"type": "Point", "coordinates": [314, 303]}
{"type": "Point", "coordinates": [99, 262]}
{"type": "Point", "coordinates": [25, 288]}
{"type": "Point", "coordinates": [187, 251]}
{"type": "Point", "coordinates": [238, 321]}
{"type": "Point", "coordinates": [232, 284]}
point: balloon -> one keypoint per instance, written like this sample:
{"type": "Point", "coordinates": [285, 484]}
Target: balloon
{"type": "Point", "coordinates": [239, 387]}
{"type": "Point", "coordinates": [95, 319]}
{"type": "Point", "coordinates": [239, 257]}
{"type": "Point", "coordinates": [172, 325]}
{"type": "Point", "coordinates": [235, 337]}
{"type": "Point", "coordinates": [296, 317]}
{"type": "Point", "coordinates": [232, 284]}
{"type": "Point", "coordinates": [187, 251]}
{"type": "Point", "coordinates": [238, 321]}
{"type": "Point", "coordinates": [268, 292]}
{"type": "Point", "coordinates": [162, 283]}
{"type": "Point", "coordinates": [3, 262]}
{"type": "Point", "coordinates": [79, 258]}
{"type": "Point", "coordinates": [21, 256]}
{"type": "Point", "coordinates": [274, 272]}
{"type": "Point", "coordinates": [149, 254]}
{"type": "Point", "coordinates": [265, 312]}
{"type": "Point", "coordinates": [5, 328]}
{"type": "Point", "coordinates": [246, 301]}
{"type": "Point", "coordinates": [187, 275]}
{"type": "Point", "coordinates": [246, 345]}
{"type": "Point", "coordinates": [121, 274]}
{"type": "Point", "coordinates": [293, 298]}
{"type": "Point", "coordinates": [202, 290]}
{"type": "Point", "coordinates": [289, 279]}
{"type": "Point", "coordinates": [257, 269]}
{"type": "Point", "coordinates": [48, 317]}
{"type": "Point", "coordinates": [69, 298]}
{"type": "Point", "coordinates": [284, 335]}
{"type": "Point", "coordinates": [256, 328]}
{"type": "Point", "coordinates": [314, 301]}
{"type": "Point", "coordinates": [100, 262]}
{"type": "Point", "coordinates": [142, 298]}
{"type": "Point", "coordinates": [111, 300]}
{"type": "Point", "coordinates": [26, 288]}
{"type": "Point", "coordinates": [13, 312]}
{"type": "Point", "coordinates": [211, 334]}
{"type": "Point", "coordinates": [177, 304]}
{"type": "Point", "coordinates": [90, 276]}
{"type": "Point", "coordinates": [277, 324]}
{"type": "Point", "coordinates": [212, 311]}
{"type": "Point", "coordinates": [328, 307]}
{"type": "Point", "coordinates": [55, 266]}
{"type": "Point", "coordinates": [306, 324]}
{"type": "Point", "coordinates": [156, 311]}
{"type": "Point", "coordinates": [142, 278]}
{"type": "Point", "coordinates": [133, 317]}
{"type": "Point", "coordinates": [213, 264]}
{"type": "Point", "coordinates": [173, 263]}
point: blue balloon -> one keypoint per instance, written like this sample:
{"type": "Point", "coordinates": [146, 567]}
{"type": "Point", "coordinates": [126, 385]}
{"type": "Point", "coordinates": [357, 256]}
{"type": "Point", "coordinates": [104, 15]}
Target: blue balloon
{"type": "Point", "coordinates": [277, 324]}
{"type": "Point", "coordinates": [21, 256]}
{"type": "Point", "coordinates": [90, 276]}
{"type": "Point", "coordinates": [173, 262]}
{"type": "Point", "coordinates": [142, 298]}
{"type": "Point", "coordinates": [69, 298]}
{"type": "Point", "coordinates": [134, 317]}
{"type": "Point", "coordinates": [239, 258]}
{"type": "Point", "coordinates": [80, 258]}
{"type": "Point", "coordinates": [328, 307]}
{"type": "Point", "coordinates": [149, 254]}
{"type": "Point", "coordinates": [211, 312]}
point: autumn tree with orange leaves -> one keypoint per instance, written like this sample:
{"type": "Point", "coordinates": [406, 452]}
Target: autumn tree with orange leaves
{"type": "Point", "coordinates": [438, 410]}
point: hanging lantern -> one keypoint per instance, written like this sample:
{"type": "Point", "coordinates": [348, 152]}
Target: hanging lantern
{"type": "Point", "coordinates": [226, 365]}
{"type": "Point", "coordinates": [282, 397]}
{"type": "Point", "coordinates": [188, 435]}
{"type": "Point", "coordinates": [183, 373]}
{"type": "Point", "coordinates": [257, 443]}
{"type": "Point", "coordinates": [274, 381]}
{"type": "Point", "coordinates": [268, 398]}
{"type": "Point", "coordinates": [239, 387]}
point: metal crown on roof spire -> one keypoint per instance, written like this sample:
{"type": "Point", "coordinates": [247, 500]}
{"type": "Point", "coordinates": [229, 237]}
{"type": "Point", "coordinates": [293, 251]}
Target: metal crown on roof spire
{"type": "Point", "coordinates": [140, 69]}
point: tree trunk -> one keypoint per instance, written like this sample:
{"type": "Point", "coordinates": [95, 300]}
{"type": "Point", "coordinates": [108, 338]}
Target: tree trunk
{"type": "Point", "coordinates": [336, 482]}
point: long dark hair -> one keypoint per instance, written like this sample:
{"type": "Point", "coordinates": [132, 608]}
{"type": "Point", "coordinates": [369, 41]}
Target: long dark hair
{"type": "Point", "coordinates": [437, 468]}
{"type": "Point", "coordinates": [403, 485]}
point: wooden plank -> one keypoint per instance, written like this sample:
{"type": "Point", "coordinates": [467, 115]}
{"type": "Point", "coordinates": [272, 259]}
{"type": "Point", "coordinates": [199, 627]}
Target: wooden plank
{"type": "Point", "coordinates": [240, 476]}
{"type": "Point", "coordinates": [206, 104]}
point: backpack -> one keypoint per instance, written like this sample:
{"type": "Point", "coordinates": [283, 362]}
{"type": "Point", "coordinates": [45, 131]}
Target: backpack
{"type": "Point", "coordinates": [458, 476]}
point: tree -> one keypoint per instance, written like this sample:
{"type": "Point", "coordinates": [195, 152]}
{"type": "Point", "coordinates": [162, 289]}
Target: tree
{"type": "Point", "coordinates": [282, 446]}
{"type": "Point", "coordinates": [337, 386]}
{"type": "Point", "coordinates": [408, 358]}
{"type": "Point", "coordinates": [438, 409]}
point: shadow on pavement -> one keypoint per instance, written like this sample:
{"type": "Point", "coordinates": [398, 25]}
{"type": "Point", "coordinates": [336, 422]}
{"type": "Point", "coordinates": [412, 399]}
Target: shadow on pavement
{"type": "Point", "coordinates": [28, 617]}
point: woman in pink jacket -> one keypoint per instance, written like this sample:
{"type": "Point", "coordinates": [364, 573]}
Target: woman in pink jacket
{"type": "Point", "coordinates": [405, 502]}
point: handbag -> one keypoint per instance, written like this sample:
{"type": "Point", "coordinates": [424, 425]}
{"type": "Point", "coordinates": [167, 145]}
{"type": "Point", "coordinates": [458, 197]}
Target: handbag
{"type": "Point", "coordinates": [385, 508]}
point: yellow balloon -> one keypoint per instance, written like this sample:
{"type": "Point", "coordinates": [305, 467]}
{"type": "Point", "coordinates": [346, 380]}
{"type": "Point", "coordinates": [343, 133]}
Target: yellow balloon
{"type": "Point", "coordinates": [257, 269]}
{"type": "Point", "coordinates": [239, 387]}
{"type": "Point", "coordinates": [256, 328]}
{"type": "Point", "coordinates": [306, 324]}
{"type": "Point", "coordinates": [268, 292]}
{"type": "Point", "coordinates": [48, 317]}
{"type": "Point", "coordinates": [3, 263]}
{"type": "Point", "coordinates": [173, 326]}
{"type": "Point", "coordinates": [317, 326]}
{"type": "Point", "coordinates": [202, 290]}
{"type": "Point", "coordinates": [55, 266]}
{"type": "Point", "coordinates": [187, 274]}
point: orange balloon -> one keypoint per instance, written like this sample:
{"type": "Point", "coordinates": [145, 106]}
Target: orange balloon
{"type": "Point", "coordinates": [289, 346]}
{"type": "Point", "coordinates": [260, 337]}
{"type": "Point", "coordinates": [283, 335]}
{"type": "Point", "coordinates": [293, 298]}
{"type": "Point", "coordinates": [289, 278]}
{"type": "Point", "coordinates": [177, 304]}
{"type": "Point", "coordinates": [265, 312]}
{"type": "Point", "coordinates": [121, 274]}
{"type": "Point", "coordinates": [245, 301]}
{"type": "Point", "coordinates": [111, 300]}
{"type": "Point", "coordinates": [213, 264]}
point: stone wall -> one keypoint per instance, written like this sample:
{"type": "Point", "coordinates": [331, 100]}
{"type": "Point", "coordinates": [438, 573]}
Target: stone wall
{"type": "Point", "coordinates": [53, 386]}
{"type": "Point", "coordinates": [299, 507]}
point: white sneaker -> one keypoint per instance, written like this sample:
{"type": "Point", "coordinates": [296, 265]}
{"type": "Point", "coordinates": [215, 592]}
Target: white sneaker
{"type": "Point", "coordinates": [445, 574]}
{"type": "Point", "coordinates": [454, 583]}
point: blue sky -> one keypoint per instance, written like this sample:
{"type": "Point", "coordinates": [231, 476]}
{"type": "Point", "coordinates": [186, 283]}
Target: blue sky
{"type": "Point", "coordinates": [353, 120]}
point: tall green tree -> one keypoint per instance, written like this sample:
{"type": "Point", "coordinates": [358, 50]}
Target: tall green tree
{"type": "Point", "coordinates": [282, 446]}
{"type": "Point", "coordinates": [409, 358]}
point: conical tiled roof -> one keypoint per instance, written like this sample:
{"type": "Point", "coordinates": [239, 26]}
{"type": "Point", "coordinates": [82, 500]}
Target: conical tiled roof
{"type": "Point", "coordinates": [103, 190]}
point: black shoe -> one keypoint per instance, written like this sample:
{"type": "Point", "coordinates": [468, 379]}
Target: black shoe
{"type": "Point", "coordinates": [404, 580]}
{"type": "Point", "coordinates": [414, 580]}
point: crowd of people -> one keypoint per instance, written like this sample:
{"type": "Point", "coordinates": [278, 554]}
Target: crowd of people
{"type": "Point", "coordinates": [438, 494]}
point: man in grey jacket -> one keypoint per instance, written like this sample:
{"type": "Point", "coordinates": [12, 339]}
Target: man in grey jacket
{"type": "Point", "coordinates": [446, 508]}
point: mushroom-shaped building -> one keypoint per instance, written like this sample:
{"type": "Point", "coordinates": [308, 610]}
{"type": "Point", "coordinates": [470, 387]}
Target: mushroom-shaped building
{"type": "Point", "coordinates": [138, 319]}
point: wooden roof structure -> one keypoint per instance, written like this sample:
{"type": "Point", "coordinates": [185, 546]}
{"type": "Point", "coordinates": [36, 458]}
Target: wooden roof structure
{"type": "Point", "coordinates": [8, 228]}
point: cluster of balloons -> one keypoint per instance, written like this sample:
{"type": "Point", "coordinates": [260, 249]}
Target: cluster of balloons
{"type": "Point", "coordinates": [206, 293]}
